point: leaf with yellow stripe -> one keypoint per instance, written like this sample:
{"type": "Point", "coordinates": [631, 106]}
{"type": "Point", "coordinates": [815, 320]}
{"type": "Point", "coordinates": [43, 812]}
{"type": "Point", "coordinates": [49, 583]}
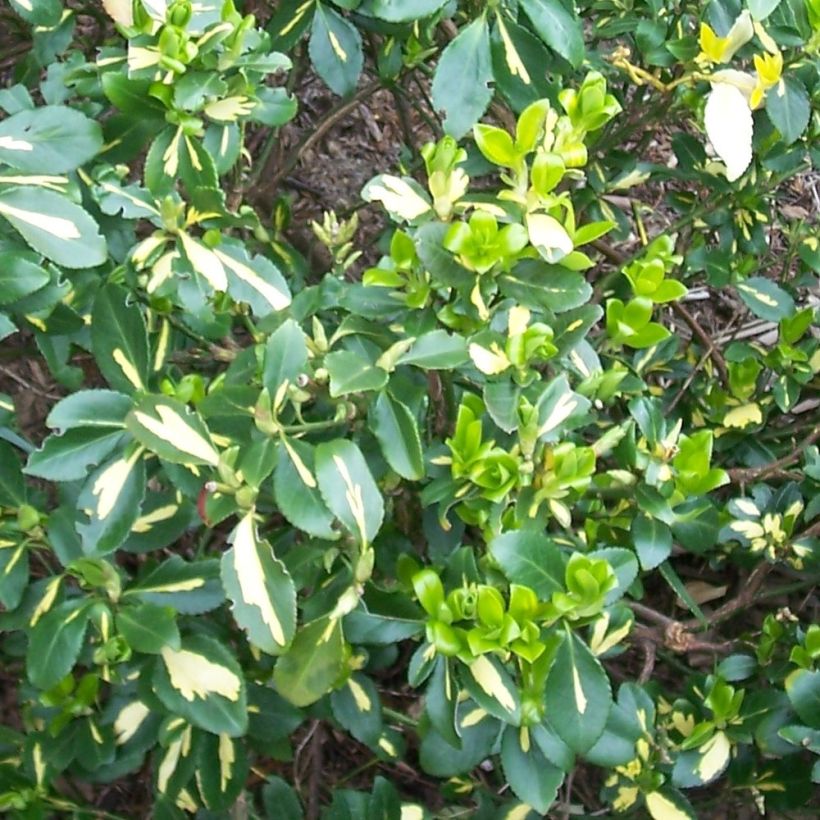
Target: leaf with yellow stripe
{"type": "Point", "coordinates": [221, 771]}
{"type": "Point", "coordinates": [256, 280]}
{"type": "Point", "coordinates": [260, 588]}
{"type": "Point", "coordinates": [313, 663]}
{"type": "Point", "coordinates": [14, 571]}
{"type": "Point", "coordinates": [697, 767]}
{"type": "Point", "coordinates": [54, 226]}
{"type": "Point", "coordinates": [171, 430]}
{"type": "Point", "coordinates": [190, 587]}
{"type": "Point", "coordinates": [119, 340]}
{"type": "Point", "coordinates": [111, 498]}
{"type": "Point", "coordinates": [532, 777]}
{"type": "Point", "coordinates": [668, 805]}
{"type": "Point", "coordinates": [493, 689]}
{"type": "Point", "coordinates": [578, 695]}
{"type": "Point", "coordinates": [55, 643]}
{"type": "Point", "coordinates": [335, 49]}
{"type": "Point", "coordinates": [51, 139]}
{"type": "Point", "coordinates": [202, 682]}
{"type": "Point", "coordinates": [357, 707]}
{"type": "Point", "coordinates": [348, 488]}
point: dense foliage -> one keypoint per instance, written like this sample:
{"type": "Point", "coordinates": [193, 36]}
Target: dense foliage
{"type": "Point", "coordinates": [452, 501]}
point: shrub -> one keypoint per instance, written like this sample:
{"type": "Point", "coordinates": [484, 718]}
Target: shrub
{"type": "Point", "coordinates": [453, 501]}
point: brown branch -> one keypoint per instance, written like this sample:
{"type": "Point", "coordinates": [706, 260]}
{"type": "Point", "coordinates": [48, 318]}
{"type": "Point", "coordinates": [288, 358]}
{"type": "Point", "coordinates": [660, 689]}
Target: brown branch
{"type": "Point", "coordinates": [705, 339]}
{"type": "Point", "coordinates": [335, 114]}
{"type": "Point", "coordinates": [746, 475]}
{"type": "Point", "coordinates": [746, 594]}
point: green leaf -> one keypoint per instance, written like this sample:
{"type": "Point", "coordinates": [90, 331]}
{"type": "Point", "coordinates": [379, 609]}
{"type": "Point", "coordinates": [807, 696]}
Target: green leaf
{"type": "Point", "coordinates": [172, 431]}
{"type": "Point", "coordinates": [222, 771]}
{"type": "Point", "coordinates": [19, 276]}
{"type": "Point", "coordinates": [54, 226]}
{"type": "Point", "coordinates": [492, 688]}
{"type": "Point", "coordinates": [697, 767]}
{"type": "Point", "coordinates": [531, 559]}
{"type": "Point", "coordinates": [7, 327]}
{"type": "Point", "coordinates": [533, 778]}
{"type": "Point", "coordinates": [131, 96]}
{"type": "Point", "coordinates": [260, 589]}
{"type": "Point", "coordinates": [255, 280]}
{"type": "Point", "coordinates": [111, 498]}
{"type": "Point", "coordinates": [398, 435]}
{"type": "Point", "coordinates": [313, 663]}
{"type": "Point", "coordinates": [437, 350]}
{"type": "Point", "coordinates": [578, 695]}
{"type": "Point", "coordinates": [461, 82]}
{"type": "Point", "coordinates": [357, 707]}
{"type": "Point", "coordinates": [190, 588]}
{"type": "Point", "coordinates": [119, 340]}
{"type": "Point", "coordinates": [12, 486]}
{"type": "Point", "coordinates": [286, 356]}
{"type": "Point", "coordinates": [14, 571]}
{"type": "Point", "coordinates": [765, 298]}
{"type": "Point", "coordinates": [69, 456]}
{"type": "Point", "coordinates": [335, 49]}
{"type": "Point", "coordinates": [202, 682]}
{"type": "Point", "coordinates": [625, 566]}
{"type": "Point", "coordinates": [348, 488]}
{"type": "Point", "coordinates": [350, 373]}
{"type": "Point", "coordinates": [789, 109]}
{"type": "Point", "coordinates": [673, 579]}
{"type": "Point", "coordinates": [538, 285]}
{"type": "Point", "coordinates": [559, 408]}
{"type": "Point", "coordinates": [55, 643]}
{"type": "Point", "coordinates": [803, 689]}
{"type": "Point", "coordinates": [399, 11]}
{"type": "Point", "coordinates": [90, 408]}
{"type": "Point", "coordinates": [478, 735]}
{"type": "Point", "coordinates": [148, 627]}
{"type": "Point", "coordinates": [558, 28]}
{"type": "Point", "coordinates": [51, 139]}
{"type": "Point", "coordinates": [280, 800]}
{"type": "Point", "coordinates": [441, 701]}
{"type": "Point", "coordinates": [297, 493]}
{"type": "Point", "coordinates": [653, 541]}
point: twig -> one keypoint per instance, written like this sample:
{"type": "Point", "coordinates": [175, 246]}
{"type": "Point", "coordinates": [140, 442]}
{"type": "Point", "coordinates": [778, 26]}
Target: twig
{"type": "Point", "coordinates": [745, 596]}
{"type": "Point", "coordinates": [8, 372]}
{"type": "Point", "coordinates": [747, 475]}
{"type": "Point", "coordinates": [648, 661]}
{"type": "Point", "coordinates": [706, 340]}
{"type": "Point", "coordinates": [336, 114]}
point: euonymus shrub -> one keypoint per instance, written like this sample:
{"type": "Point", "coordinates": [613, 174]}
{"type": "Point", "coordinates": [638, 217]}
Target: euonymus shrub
{"type": "Point", "coordinates": [269, 494]}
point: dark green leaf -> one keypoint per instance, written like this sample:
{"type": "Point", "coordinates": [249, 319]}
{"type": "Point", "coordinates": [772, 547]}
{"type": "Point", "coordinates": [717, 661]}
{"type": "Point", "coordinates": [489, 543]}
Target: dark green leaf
{"type": "Point", "coordinates": [578, 695]}
{"type": "Point", "coordinates": [788, 107]}
{"type": "Point", "coordinates": [55, 643]}
{"type": "Point", "coordinates": [348, 488]}
{"type": "Point", "coordinates": [398, 435]}
{"type": "Point", "coordinates": [765, 298]}
{"type": "Point", "coordinates": [557, 27]}
{"type": "Point", "coordinates": [531, 559]}
{"type": "Point", "coordinates": [335, 50]}
{"type": "Point", "coordinates": [51, 139]}
{"type": "Point", "coordinates": [260, 589]}
{"type": "Point", "coordinates": [461, 82]}
{"type": "Point", "coordinates": [54, 226]}
{"type": "Point", "coordinates": [532, 777]}
{"type": "Point", "coordinates": [148, 627]}
{"type": "Point", "coordinates": [203, 683]}
{"type": "Point", "coordinates": [312, 664]}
